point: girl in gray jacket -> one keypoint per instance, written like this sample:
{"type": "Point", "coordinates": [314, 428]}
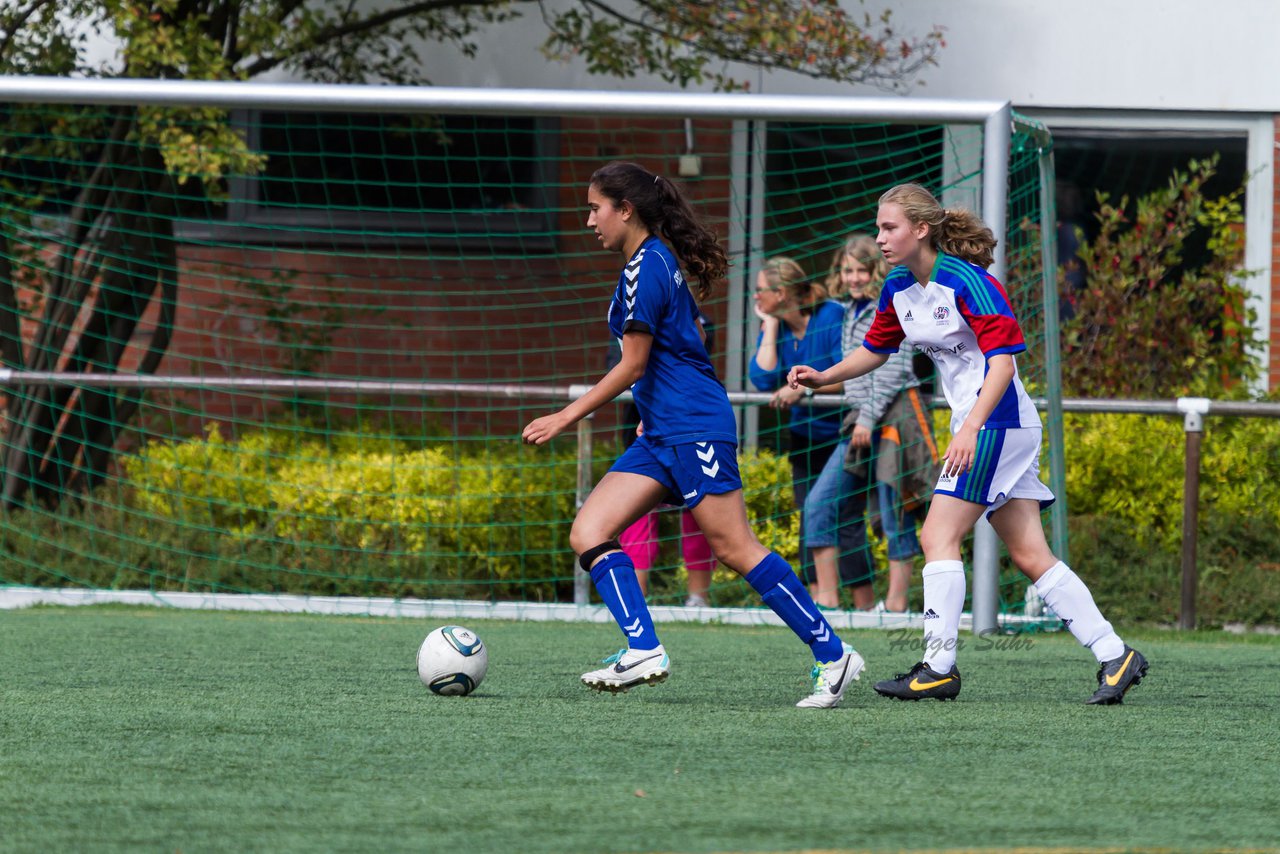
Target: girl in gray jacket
{"type": "Point", "coordinates": [857, 269]}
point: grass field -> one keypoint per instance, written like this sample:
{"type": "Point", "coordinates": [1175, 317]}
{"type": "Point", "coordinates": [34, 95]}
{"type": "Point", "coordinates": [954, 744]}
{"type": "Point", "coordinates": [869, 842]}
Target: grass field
{"type": "Point", "coordinates": [149, 729]}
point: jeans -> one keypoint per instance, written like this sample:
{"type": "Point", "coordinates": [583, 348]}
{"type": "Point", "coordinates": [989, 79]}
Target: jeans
{"type": "Point", "coordinates": [841, 512]}
{"type": "Point", "coordinates": [837, 497]}
{"type": "Point", "coordinates": [898, 525]}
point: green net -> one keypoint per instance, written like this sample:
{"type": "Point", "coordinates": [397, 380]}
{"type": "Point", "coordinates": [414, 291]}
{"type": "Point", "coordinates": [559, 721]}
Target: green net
{"type": "Point", "coordinates": [346, 319]}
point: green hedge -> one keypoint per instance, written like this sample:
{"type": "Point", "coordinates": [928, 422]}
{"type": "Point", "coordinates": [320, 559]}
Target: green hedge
{"type": "Point", "coordinates": [1125, 492]}
{"type": "Point", "coordinates": [291, 510]}
{"type": "Point", "coordinates": [1129, 468]}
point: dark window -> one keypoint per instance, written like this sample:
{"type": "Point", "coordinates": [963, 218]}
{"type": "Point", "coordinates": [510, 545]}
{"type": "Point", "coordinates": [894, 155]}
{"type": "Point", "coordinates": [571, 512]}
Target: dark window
{"type": "Point", "coordinates": [387, 178]}
{"type": "Point", "coordinates": [1133, 163]}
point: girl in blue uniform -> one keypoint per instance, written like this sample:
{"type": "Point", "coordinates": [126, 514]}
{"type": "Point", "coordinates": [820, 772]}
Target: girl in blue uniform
{"type": "Point", "coordinates": [941, 298]}
{"type": "Point", "coordinates": [687, 453]}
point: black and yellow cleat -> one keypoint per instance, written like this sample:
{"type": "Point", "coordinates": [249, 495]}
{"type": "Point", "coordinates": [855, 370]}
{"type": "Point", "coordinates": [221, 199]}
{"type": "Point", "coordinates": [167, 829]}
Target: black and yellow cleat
{"type": "Point", "coordinates": [921, 683]}
{"type": "Point", "coordinates": [1117, 676]}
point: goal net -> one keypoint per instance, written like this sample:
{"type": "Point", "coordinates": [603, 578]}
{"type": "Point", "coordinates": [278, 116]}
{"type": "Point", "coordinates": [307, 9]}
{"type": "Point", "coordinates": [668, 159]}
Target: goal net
{"type": "Point", "coordinates": [284, 344]}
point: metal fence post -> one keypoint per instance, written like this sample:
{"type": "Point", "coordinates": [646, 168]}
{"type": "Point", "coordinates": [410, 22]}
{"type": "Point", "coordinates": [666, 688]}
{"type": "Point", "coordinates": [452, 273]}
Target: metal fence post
{"type": "Point", "coordinates": [986, 578]}
{"type": "Point", "coordinates": [581, 580]}
{"type": "Point", "coordinates": [997, 133]}
{"type": "Point", "coordinates": [1193, 411]}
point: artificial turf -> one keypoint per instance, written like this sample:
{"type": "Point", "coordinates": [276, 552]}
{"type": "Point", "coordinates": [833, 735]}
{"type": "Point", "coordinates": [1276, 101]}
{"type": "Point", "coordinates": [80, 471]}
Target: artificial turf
{"type": "Point", "coordinates": [151, 729]}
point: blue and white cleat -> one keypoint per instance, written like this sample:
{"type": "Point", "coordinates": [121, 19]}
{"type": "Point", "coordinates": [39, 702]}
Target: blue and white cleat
{"type": "Point", "coordinates": [629, 667]}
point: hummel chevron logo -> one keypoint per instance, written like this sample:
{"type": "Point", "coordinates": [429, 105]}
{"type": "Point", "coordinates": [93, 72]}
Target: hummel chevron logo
{"type": "Point", "coordinates": [623, 668]}
{"type": "Point", "coordinates": [631, 273]}
{"type": "Point", "coordinates": [706, 458]}
{"type": "Point", "coordinates": [713, 470]}
{"type": "Point", "coordinates": [635, 630]}
{"type": "Point", "coordinates": [821, 634]}
{"type": "Point", "coordinates": [931, 614]}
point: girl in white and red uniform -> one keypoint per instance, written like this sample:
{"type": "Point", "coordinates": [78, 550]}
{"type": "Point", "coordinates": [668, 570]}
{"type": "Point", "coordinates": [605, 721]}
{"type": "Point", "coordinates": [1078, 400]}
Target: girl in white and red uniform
{"type": "Point", "coordinates": [941, 298]}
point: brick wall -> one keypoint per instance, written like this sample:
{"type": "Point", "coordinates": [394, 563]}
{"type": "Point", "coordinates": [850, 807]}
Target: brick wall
{"type": "Point", "coordinates": [434, 314]}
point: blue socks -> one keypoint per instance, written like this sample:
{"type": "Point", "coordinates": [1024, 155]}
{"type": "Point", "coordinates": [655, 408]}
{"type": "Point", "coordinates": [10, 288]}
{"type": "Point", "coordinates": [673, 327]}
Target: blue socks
{"type": "Point", "coordinates": [614, 576]}
{"type": "Point", "coordinates": [783, 591]}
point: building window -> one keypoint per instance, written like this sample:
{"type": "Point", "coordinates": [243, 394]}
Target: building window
{"type": "Point", "coordinates": [387, 178]}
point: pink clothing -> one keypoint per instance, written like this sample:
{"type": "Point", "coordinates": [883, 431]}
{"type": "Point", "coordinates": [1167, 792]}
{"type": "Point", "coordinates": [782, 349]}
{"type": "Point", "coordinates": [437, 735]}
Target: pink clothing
{"type": "Point", "coordinates": [640, 542]}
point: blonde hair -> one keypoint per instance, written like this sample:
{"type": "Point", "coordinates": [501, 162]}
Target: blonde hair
{"type": "Point", "coordinates": [786, 273]}
{"type": "Point", "coordinates": [954, 231]}
{"type": "Point", "coordinates": [863, 249]}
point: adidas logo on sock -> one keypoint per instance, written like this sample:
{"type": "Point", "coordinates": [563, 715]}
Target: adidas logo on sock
{"type": "Point", "coordinates": [1067, 623]}
{"type": "Point", "coordinates": [931, 614]}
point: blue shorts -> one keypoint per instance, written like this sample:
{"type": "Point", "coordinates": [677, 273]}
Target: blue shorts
{"type": "Point", "coordinates": [688, 471]}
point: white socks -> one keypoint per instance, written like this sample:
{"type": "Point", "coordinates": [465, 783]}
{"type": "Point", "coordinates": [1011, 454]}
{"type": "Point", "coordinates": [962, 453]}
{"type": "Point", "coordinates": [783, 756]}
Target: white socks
{"type": "Point", "coordinates": [943, 602]}
{"type": "Point", "coordinates": [1064, 592]}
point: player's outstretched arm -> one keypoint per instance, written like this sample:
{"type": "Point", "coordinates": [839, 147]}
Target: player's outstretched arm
{"type": "Point", "coordinates": [857, 363]}
{"type": "Point", "coordinates": [635, 358]}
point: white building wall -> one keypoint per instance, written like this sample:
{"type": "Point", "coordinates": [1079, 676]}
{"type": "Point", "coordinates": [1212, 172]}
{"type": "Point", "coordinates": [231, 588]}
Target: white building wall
{"type": "Point", "coordinates": [1084, 54]}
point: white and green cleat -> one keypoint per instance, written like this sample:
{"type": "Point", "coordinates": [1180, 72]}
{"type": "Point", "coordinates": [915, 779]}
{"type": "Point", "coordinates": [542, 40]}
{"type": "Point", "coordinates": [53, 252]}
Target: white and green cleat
{"type": "Point", "coordinates": [832, 678]}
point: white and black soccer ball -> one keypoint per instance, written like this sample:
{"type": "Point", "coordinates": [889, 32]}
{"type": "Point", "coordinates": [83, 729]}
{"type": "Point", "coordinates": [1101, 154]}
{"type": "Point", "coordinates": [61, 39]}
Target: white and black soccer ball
{"type": "Point", "coordinates": [452, 661]}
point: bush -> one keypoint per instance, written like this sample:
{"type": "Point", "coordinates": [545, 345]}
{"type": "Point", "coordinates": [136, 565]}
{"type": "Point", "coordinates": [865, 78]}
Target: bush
{"type": "Point", "coordinates": [1125, 492]}
{"type": "Point", "coordinates": [288, 510]}
{"type": "Point", "coordinates": [497, 516]}
{"type": "Point", "coordinates": [1147, 323]}
{"type": "Point", "coordinates": [1130, 468]}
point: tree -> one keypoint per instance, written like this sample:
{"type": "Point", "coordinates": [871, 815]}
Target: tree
{"type": "Point", "coordinates": [1149, 322]}
{"type": "Point", "coordinates": [111, 255]}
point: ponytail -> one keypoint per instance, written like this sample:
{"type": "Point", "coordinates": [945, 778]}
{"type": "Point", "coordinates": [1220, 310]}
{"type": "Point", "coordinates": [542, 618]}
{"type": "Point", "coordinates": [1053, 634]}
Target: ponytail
{"type": "Point", "coordinates": [953, 231]}
{"type": "Point", "coordinates": [966, 236]}
{"type": "Point", "coordinates": [663, 208]}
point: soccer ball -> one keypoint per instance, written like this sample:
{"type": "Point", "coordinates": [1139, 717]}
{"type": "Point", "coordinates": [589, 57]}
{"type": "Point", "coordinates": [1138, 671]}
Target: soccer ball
{"type": "Point", "coordinates": [452, 661]}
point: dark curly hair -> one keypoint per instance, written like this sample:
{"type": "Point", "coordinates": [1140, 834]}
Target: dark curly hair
{"type": "Point", "coordinates": [663, 208]}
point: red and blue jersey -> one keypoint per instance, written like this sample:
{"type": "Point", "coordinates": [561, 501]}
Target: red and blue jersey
{"type": "Point", "coordinates": [680, 399]}
{"type": "Point", "coordinates": [960, 318]}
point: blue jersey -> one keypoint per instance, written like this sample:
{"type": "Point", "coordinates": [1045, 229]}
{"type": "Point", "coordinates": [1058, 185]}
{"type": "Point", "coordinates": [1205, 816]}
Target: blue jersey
{"type": "Point", "coordinates": [820, 348]}
{"type": "Point", "coordinates": [679, 397]}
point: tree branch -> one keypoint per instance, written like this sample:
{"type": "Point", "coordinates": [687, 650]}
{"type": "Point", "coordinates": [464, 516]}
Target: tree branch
{"type": "Point", "coordinates": [359, 26]}
{"type": "Point", "coordinates": [15, 23]}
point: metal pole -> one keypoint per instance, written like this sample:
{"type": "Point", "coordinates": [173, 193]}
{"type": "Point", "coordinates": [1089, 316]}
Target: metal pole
{"type": "Point", "coordinates": [736, 328]}
{"type": "Point", "coordinates": [751, 265]}
{"type": "Point", "coordinates": [995, 204]}
{"type": "Point", "coordinates": [1053, 357]}
{"type": "Point", "coordinates": [1194, 410]}
{"type": "Point", "coordinates": [372, 98]}
{"type": "Point", "coordinates": [581, 580]}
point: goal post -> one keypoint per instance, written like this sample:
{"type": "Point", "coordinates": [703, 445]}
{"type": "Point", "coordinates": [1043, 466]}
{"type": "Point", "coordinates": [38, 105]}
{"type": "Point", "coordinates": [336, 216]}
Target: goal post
{"type": "Point", "coordinates": [279, 338]}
